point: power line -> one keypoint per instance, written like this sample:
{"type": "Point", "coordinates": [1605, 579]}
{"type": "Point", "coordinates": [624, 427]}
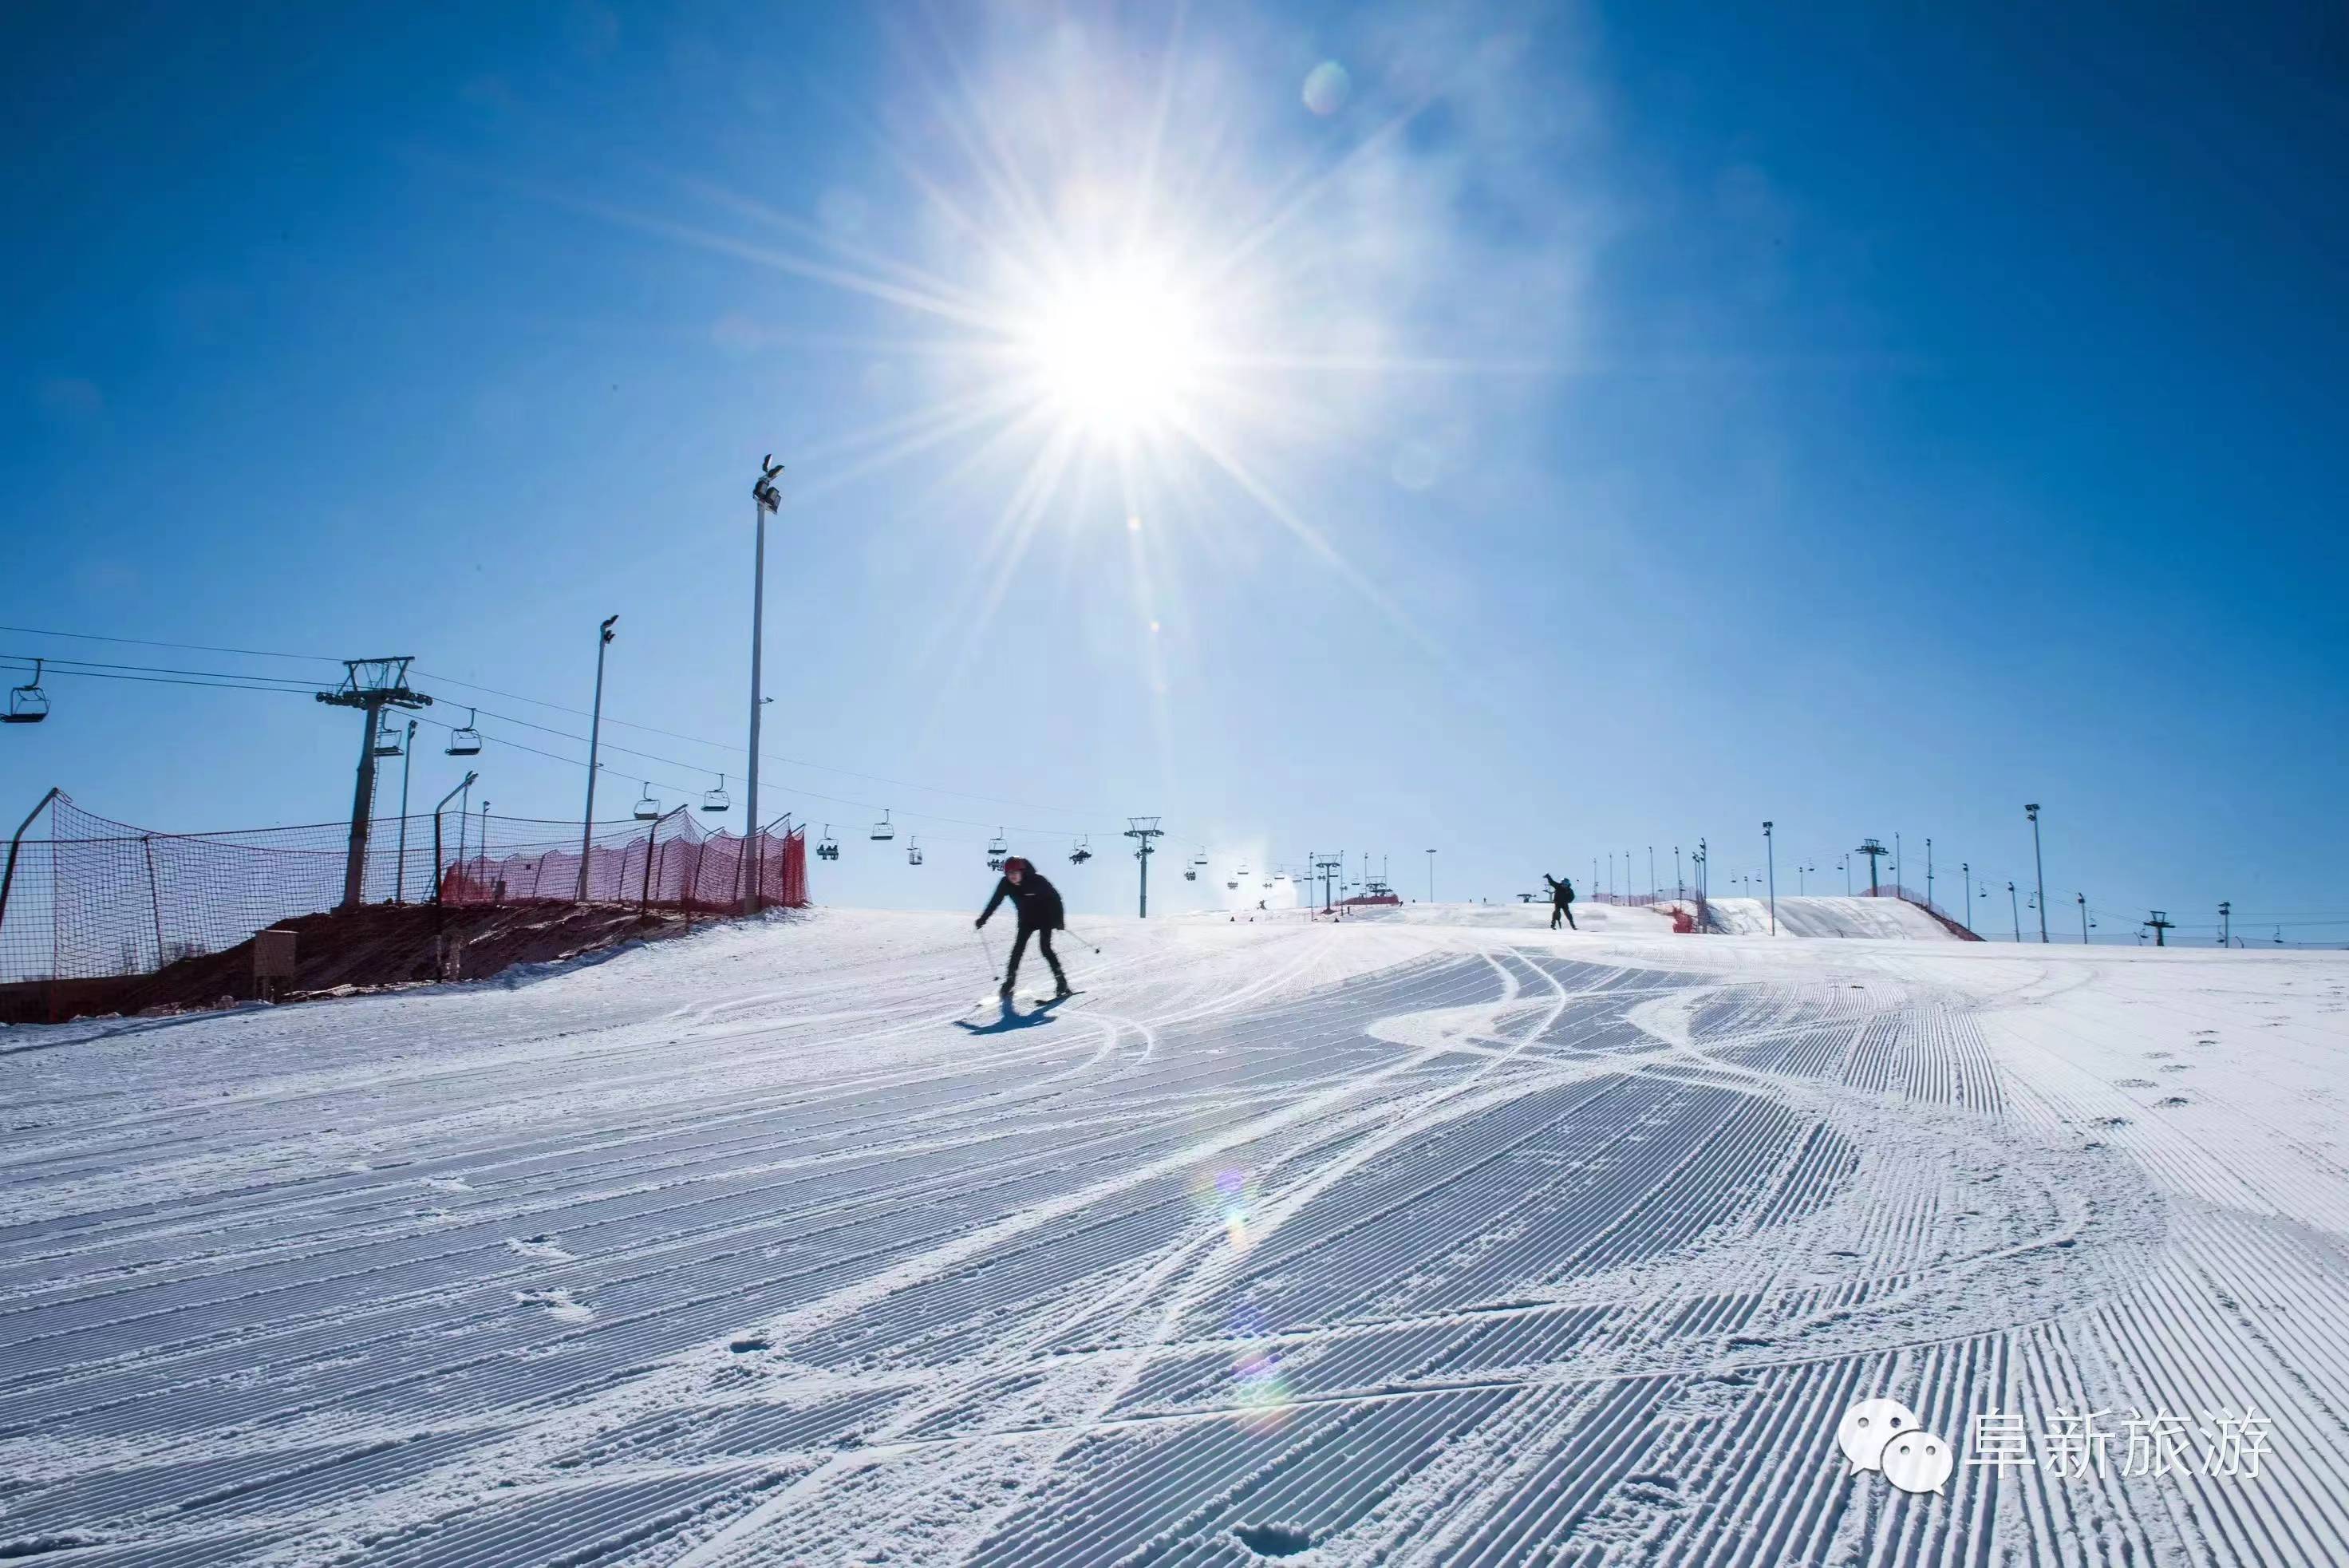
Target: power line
{"type": "Point", "coordinates": [77, 666]}
{"type": "Point", "coordinates": [735, 751]}
{"type": "Point", "coordinates": [240, 681]}
{"type": "Point", "coordinates": [169, 681]}
{"type": "Point", "coordinates": [564, 707]}
{"type": "Point", "coordinates": [151, 642]}
{"type": "Point", "coordinates": [221, 681]}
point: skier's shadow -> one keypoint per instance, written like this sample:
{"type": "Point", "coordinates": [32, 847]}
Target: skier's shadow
{"type": "Point", "coordinates": [1011, 1019]}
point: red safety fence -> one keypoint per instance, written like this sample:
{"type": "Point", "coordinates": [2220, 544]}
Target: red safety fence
{"type": "Point", "coordinates": [85, 898]}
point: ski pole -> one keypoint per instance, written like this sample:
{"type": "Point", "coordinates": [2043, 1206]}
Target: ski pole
{"type": "Point", "coordinates": [988, 949]}
{"type": "Point", "coordinates": [1085, 938]}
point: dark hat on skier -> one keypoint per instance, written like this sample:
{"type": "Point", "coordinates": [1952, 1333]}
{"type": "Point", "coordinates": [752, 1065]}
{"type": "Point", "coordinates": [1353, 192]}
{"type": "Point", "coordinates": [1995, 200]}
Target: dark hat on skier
{"type": "Point", "coordinates": [1015, 863]}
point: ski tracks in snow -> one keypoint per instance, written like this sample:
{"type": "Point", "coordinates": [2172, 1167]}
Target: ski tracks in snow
{"type": "Point", "coordinates": [1394, 1242]}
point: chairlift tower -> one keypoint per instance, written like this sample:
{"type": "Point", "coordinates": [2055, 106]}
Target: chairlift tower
{"type": "Point", "coordinates": [1142, 830]}
{"type": "Point", "coordinates": [2161, 926]}
{"type": "Point", "coordinates": [1873, 850]}
{"type": "Point", "coordinates": [370, 685]}
{"type": "Point", "coordinates": [1329, 865]}
{"type": "Point", "coordinates": [2226, 921]}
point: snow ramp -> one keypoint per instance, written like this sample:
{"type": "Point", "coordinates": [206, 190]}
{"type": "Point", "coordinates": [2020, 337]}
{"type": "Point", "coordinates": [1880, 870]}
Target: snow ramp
{"type": "Point", "coordinates": [1804, 917]}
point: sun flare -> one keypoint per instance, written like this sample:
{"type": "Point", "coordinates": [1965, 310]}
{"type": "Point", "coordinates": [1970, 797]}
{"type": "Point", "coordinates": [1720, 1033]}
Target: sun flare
{"type": "Point", "coordinates": [1117, 354]}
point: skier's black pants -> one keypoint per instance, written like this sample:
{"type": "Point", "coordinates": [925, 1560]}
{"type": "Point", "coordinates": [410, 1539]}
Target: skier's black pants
{"type": "Point", "coordinates": [1557, 909]}
{"type": "Point", "coordinates": [1043, 945]}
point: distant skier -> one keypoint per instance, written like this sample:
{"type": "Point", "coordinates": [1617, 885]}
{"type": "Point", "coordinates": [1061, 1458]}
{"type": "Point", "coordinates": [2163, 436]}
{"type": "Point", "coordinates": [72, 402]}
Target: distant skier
{"type": "Point", "coordinates": [1038, 906]}
{"type": "Point", "coordinates": [1561, 902]}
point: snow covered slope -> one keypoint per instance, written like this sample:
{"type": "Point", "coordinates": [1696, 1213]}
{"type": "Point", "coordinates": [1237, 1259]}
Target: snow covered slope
{"type": "Point", "coordinates": [1799, 917]}
{"type": "Point", "coordinates": [1626, 920]}
{"type": "Point", "coordinates": [1392, 1241]}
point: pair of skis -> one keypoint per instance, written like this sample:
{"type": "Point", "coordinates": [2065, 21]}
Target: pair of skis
{"type": "Point", "coordinates": [1035, 1004]}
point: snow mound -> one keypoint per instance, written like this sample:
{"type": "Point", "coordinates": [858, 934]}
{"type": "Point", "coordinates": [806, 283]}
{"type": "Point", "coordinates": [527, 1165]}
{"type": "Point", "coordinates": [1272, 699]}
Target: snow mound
{"type": "Point", "coordinates": [1893, 918]}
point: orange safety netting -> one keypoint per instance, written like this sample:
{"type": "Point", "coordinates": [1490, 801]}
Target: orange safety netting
{"type": "Point", "coordinates": [82, 896]}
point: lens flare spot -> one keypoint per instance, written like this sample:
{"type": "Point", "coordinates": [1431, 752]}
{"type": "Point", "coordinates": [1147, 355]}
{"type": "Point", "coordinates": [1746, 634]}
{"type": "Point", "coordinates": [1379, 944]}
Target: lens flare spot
{"type": "Point", "coordinates": [1326, 87]}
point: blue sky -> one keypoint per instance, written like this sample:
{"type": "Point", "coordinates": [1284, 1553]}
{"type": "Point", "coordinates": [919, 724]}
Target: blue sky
{"type": "Point", "coordinates": [1592, 427]}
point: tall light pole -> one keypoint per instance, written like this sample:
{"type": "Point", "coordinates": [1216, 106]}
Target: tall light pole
{"type": "Point", "coordinates": [595, 733]}
{"type": "Point", "coordinates": [2033, 812]}
{"type": "Point", "coordinates": [1680, 888]}
{"type": "Point", "coordinates": [1929, 870]}
{"type": "Point", "coordinates": [2082, 900]}
{"type": "Point", "coordinates": [1770, 849]}
{"type": "Point", "coordinates": [1430, 876]}
{"type": "Point", "coordinates": [2013, 908]}
{"type": "Point", "coordinates": [407, 765]}
{"type": "Point", "coordinates": [765, 500]}
{"type": "Point", "coordinates": [1846, 875]}
{"type": "Point", "coordinates": [1611, 876]}
{"type": "Point", "coordinates": [464, 787]}
{"type": "Point", "coordinates": [1967, 871]}
{"type": "Point", "coordinates": [1652, 873]}
{"type": "Point", "coordinates": [464, 817]}
{"type": "Point", "coordinates": [1898, 865]}
{"type": "Point", "coordinates": [2226, 917]}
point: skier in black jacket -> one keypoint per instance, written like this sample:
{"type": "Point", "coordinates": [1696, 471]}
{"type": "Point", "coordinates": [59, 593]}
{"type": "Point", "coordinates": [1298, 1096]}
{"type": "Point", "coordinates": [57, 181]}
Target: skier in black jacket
{"type": "Point", "coordinates": [1039, 904]}
{"type": "Point", "coordinates": [1561, 902]}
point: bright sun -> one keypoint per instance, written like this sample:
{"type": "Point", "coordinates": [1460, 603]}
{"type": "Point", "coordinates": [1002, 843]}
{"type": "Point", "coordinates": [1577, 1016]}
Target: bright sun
{"type": "Point", "coordinates": [1118, 353]}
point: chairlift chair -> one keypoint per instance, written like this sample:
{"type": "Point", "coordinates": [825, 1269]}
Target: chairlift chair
{"type": "Point", "coordinates": [881, 829]}
{"type": "Point", "coordinates": [1080, 853]}
{"type": "Point", "coordinates": [648, 808]}
{"type": "Point", "coordinates": [465, 741]}
{"type": "Point", "coordinates": [912, 851]}
{"type": "Point", "coordinates": [387, 739]}
{"type": "Point", "coordinates": [29, 704]}
{"type": "Point", "coordinates": [828, 848]}
{"type": "Point", "coordinates": [996, 846]}
{"type": "Point", "coordinates": [1190, 873]}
